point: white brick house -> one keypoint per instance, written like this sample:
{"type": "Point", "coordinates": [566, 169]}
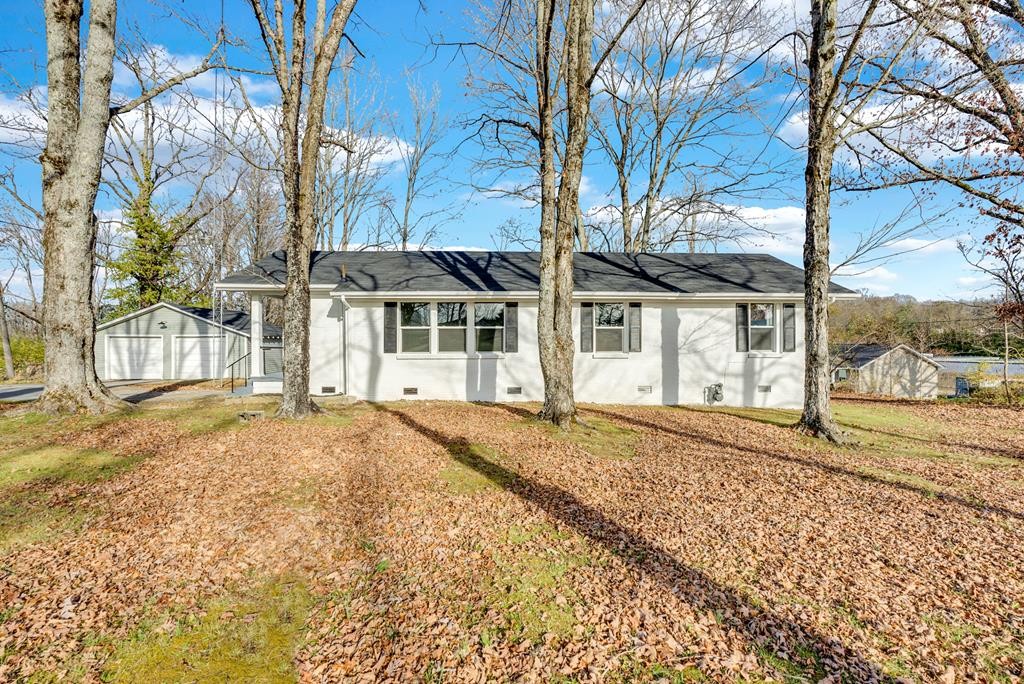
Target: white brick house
{"type": "Point", "coordinates": [649, 328]}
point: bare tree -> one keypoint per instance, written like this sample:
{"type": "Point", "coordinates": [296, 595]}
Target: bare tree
{"type": "Point", "coordinates": [838, 91]}
{"type": "Point", "coordinates": [1000, 256]}
{"type": "Point", "coordinates": [960, 119]}
{"type": "Point", "coordinates": [423, 168]}
{"type": "Point", "coordinates": [78, 116]}
{"type": "Point", "coordinates": [535, 85]}
{"type": "Point", "coordinates": [21, 233]}
{"type": "Point", "coordinates": [154, 147]}
{"type": "Point", "coordinates": [351, 169]}
{"type": "Point", "coordinates": [673, 114]}
{"type": "Point", "coordinates": [302, 133]}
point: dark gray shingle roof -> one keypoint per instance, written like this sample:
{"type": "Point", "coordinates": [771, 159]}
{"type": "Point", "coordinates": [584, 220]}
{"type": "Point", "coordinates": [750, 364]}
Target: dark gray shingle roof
{"type": "Point", "coordinates": [238, 320]}
{"type": "Point", "coordinates": [858, 355]}
{"type": "Point", "coordinates": [470, 271]}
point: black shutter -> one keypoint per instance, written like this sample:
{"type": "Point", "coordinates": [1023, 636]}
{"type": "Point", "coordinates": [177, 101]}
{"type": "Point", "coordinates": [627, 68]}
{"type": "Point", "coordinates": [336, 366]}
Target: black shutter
{"type": "Point", "coordinates": [586, 327]}
{"type": "Point", "coordinates": [511, 326]}
{"type": "Point", "coordinates": [788, 327]}
{"type": "Point", "coordinates": [634, 327]}
{"type": "Point", "coordinates": [742, 325]}
{"type": "Point", "coordinates": [390, 327]}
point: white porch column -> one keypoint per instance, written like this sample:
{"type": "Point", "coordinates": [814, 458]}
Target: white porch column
{"type": "Point", "coordinates": [256, 336]}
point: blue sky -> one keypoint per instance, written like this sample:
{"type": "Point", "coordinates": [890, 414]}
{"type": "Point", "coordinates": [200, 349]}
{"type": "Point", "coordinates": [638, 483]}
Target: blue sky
{"type": "Point", "coordinates": [395, 37]}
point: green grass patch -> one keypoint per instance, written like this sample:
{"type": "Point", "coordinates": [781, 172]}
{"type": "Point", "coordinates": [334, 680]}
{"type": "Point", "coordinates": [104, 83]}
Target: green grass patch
{"type": "Point", "coordinates": [779, 417]}
{"type": "Point", "coordinates": [475, 468]}
{"type": "Point", "coordinates": [1004, 660]}
{"type": "Point", "coordinates": [632, 669]}
{"type": "Point", "coordinates": [35, 429]}
{"type": "Point", "coordinates": [213, 414]}
{"type": "Point", "coordinates": [339, 414]}
{"type": "Point", "coordinates": [531, 593]}
{"type": "Point", "coordinates": [899, 668]}
{"type": "Point", "coordinates": [897, 477]}
{"type": "Point", "coordinates": [60, 464]}
{"type": "Point", "coordinates": [530, 587]}
{"type": "Point", "coordinates": [598, 436]}
{"type": "Point", "coordinates": [251, 636]}
{"type": "Point", "coordinates": [950, 632]}
{"type": "Point", "coordinates": [27, 478]}
{"type": "Point", "coordinates": [29, 518]}
{"type": "Point", "coordinates": [805, 667]}
{"type": "Point", "coordinates": [886, 417]}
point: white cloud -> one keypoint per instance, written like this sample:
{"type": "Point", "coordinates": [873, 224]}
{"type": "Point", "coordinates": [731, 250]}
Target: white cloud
{"type": "Point", "coordinates": [973, 281]}
{"type": "Point", "coordinates": [876, 280]}
{"type": "Point", "coordinates": [876, 273]}
{"type": "Point", "coordinates": [924, 245]}
{"type": "Point", "coordinates": [461, 248]}
{"type": "Point", "coordinates": [781, 229]}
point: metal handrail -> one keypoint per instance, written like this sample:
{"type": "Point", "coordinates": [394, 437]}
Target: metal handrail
{"type": "Point", "coordinates": [231, 367]}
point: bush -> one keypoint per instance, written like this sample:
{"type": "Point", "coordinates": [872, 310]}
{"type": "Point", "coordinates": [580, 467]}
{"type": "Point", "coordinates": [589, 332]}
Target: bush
{"type": "Point", "coordinates": [28, 357]}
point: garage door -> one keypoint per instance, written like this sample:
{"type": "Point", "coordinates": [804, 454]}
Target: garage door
{"type": "Point", "coordinates": [197, 357]}
{"type": "Point", "coordinates": [135, 357]}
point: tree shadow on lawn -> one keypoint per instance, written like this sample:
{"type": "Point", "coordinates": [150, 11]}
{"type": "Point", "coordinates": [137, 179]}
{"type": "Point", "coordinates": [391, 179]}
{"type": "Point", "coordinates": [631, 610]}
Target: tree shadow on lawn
{"type": "Point", "coordinates": [762, 629]}
{"type": "Point", "coordinates": [788, 418]}
{"type": "Point", "coordinates": [811, 463]}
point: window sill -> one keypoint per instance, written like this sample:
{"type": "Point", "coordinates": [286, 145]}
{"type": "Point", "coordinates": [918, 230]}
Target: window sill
{"type": "Point", "coordinates": [449, 356]}
{"type": "Point", "coordinates": [611, 355]}
{"type": "Point", "coordinates": [764, 355]}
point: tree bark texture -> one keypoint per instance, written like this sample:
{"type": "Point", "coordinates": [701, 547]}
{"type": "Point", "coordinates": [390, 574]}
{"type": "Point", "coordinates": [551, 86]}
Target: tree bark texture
{"type": "Point", "coordinates": [302, 139]}
{"type": "Point", "coordinates": [817, 417]}
{"type": "Point", "coordinates": [556, 274]}
{"type": "Point", "coordinates": [78, 115]}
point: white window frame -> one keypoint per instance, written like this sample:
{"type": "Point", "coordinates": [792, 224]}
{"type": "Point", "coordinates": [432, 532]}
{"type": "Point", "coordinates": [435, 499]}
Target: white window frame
{"type": "Point", "coordinates": [475, 327]}
{"type": "Point", "coordinates": [429, 327]}
{"type": "Point", "coordinates": [623, 329]}
{"type": "Point", "coordinates": [774, 327]}
{"type": "Point", "coordinates": [464, 328]}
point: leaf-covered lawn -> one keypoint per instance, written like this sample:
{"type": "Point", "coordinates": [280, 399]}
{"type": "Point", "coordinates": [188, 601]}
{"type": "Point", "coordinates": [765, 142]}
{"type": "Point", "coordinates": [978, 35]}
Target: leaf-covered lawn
{"type": "Point", "coordinates": [458, 542]}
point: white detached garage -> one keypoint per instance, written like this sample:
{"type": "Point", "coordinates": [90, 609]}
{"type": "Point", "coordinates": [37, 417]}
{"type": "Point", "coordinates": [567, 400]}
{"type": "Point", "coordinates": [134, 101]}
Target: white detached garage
{"type": "Point", "coordinates": [173, 342]}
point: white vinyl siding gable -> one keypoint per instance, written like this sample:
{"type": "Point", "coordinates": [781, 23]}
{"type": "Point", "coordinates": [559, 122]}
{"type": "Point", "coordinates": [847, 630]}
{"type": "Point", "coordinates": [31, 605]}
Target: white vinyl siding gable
{"type": "Point", "coordinates": [175, 324]}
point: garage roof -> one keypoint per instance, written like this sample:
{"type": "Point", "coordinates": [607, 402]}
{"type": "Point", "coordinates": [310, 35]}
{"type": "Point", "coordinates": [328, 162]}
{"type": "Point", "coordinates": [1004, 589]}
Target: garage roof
{"type": "Point", "coordinates": [484, 271]}
{"type": "Point", "coordinates": [234, 319]}
{"type": "Point", "coordinates": [860, 355]}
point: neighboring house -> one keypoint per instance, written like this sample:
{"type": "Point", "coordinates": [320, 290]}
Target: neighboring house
{"type": "Point", "coordinates": [895, 371]}
{"type": "Point", "coordinates": [462, 325]}
{"type": "Point", "coordinates": [978, 371]}
{"type": "Point", "coordinates": [173, 342]}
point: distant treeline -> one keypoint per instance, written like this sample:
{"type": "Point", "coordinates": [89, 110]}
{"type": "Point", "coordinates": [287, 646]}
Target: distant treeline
{"type": "Point", "coordinates": [942, 327]}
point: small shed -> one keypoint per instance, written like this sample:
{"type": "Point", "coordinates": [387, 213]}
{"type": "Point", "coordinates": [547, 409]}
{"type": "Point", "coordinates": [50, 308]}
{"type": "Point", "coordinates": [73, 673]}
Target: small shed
{"type": "Point", "coordinates": [895, 371]}
{"type": "Point", "coordinates": [174, 342]}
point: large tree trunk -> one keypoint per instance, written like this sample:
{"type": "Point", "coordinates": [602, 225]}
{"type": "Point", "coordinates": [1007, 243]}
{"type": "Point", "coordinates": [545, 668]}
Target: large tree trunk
{"type": "Point", "coordinates": [559, 402]}
{"type": "Point", "coordinates": [76, 131]}
{"type": "Point", "coordinates": [821, 139]}
{"type": "Point", "coordinates": [546, 144]}
{"type": "Point", "coordinates": [295, 399]}
{"type": "Point", "coordinates": [300, 186]}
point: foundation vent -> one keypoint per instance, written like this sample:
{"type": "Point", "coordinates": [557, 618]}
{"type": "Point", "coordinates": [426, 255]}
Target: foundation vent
{"type": "Point", "coordinates": [644, 389]}
{"type": "Point", "coordinates": [764, 388]}
{"type": "Point", "coordinates": [514, 390]}
{"type": "Point", "coordinates": [328, 389]}
{"type": "Point", "coordinates": [410, 390]}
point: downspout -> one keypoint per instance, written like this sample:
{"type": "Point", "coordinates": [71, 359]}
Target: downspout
{"type": "Point", "coordinates": [344, 343]}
